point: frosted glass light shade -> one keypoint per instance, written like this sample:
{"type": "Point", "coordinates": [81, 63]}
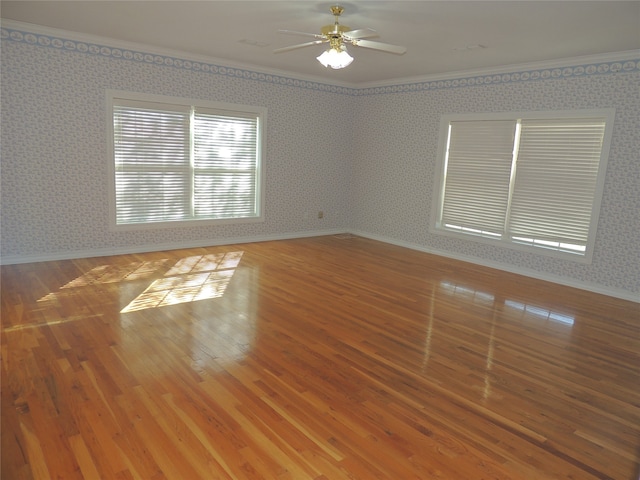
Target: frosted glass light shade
{"type": "Point", "coordinates": [335, 58]}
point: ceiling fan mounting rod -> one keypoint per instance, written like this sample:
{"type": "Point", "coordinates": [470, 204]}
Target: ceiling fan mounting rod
{"type": "Point", "coordinates": [334, 32]}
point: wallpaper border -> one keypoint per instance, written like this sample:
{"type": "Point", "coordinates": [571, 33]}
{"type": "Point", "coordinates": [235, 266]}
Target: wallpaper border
{"type": "Point", "coordinates": [139, 56]}
{"type": "Point", "coordinates": [521, 74]}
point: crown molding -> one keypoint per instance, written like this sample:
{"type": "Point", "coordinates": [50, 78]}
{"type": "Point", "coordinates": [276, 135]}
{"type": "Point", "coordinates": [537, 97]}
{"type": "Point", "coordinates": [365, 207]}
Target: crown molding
{"type": "Point", "coordinates": [562, 63]}
{"type": "Point", "coordinates": [610, 63]}
{"type": "Point", "coordinates": [50, 33]}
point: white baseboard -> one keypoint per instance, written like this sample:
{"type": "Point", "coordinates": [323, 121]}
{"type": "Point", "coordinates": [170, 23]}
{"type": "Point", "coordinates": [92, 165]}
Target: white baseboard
{"type": "Point", "coordinates": [590, 287]}
{"type": "Point", "coordinates": [105, 252]}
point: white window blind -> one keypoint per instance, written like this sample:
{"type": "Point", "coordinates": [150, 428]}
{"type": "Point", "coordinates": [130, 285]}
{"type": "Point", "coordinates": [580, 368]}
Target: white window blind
{"type": "Point", "coordinates": [530, 181]}
{"type": "Point", "coordinates": [555, 180]}
{"type": "Point", "coordinates": [224, 165]}
{"type": "Point", "coordinates": [183, 162]}
{"type": "Point", "coordinates": [476, 192]}
{"type": "Point", "coordinates": [152, 164]}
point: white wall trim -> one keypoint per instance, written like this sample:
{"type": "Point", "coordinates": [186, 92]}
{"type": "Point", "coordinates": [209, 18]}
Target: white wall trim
{"type": "Point", "coordinates": [590, 287]}
{"type": "Point", "coordinates": [624, 56]}
{"type": "Point", "coordinates": [165, 52]}
{"type": "Point", "coordinates": [106, 252]}
{"type": "Point", "coordinates": [587, 64]}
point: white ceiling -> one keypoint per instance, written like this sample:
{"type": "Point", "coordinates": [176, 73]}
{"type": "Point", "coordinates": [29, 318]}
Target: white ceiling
{"type": "Point", "coordinates": [441, 36]}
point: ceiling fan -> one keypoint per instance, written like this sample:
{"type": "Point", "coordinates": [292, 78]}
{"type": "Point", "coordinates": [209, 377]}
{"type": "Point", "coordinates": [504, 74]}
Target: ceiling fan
{"type": "Point", "coordinates": [338, 36]}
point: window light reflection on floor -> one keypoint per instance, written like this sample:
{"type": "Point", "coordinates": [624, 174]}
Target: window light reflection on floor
{"type": "Point", "coordinates": [542, 313]}
{"type": "Point", "coordinates": [190, 279]}
{"type": "Point", "coordinates": [478, 296]}
{"type": "Point", "coordinates": [199, 277]}
{"type": "Point", "coordinates": [464, 291]}
{"type": "Point", "coordinates": [104, 274]}
{"type": "Point", "coordinates": [181, 289]}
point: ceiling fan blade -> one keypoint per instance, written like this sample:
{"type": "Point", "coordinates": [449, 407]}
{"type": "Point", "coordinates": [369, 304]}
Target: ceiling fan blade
{"type": "Point", "coordinates": [300, 45]}
{"type": "Point", "coordinates": [385, 47]}
{"type": "Point", "coordinates": [360, 33]}
{"type": "Point", "coordinates": [304, 34]}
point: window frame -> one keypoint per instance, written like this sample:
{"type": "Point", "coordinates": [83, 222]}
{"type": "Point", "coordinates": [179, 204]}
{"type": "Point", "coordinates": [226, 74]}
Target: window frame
{"type": "Point", "coordinates": [112, 99]}
{"type": "Point", "coordinates": [437, 228]}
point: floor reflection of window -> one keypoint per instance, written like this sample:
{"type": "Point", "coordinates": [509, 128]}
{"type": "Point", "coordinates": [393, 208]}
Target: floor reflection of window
{"type": "Point", "coordinates": [463, 291]}
{"type": "Point", "coordinates": [104, 274]}
{"type": "Point", "coordinates": [200, 277]}
{"type": "Point", "coordinates": [205, 263]}
{"type": "Point", "coordinates": [190, 279]}
{"type": "Point", "coordinates": [541, 312]}
{"type": "Point", "coordinates": [483, 297]}
{"type": "Point", "coordinates": [182, 289]}
{"type": "Point", "coordinates": [116, 273]}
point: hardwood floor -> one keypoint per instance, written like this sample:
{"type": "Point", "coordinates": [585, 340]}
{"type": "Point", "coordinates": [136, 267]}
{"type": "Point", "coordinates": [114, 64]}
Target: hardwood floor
{"type": "Point", "coordinates": [320, 358]}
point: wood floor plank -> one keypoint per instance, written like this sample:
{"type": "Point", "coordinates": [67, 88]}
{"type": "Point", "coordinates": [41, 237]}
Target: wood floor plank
{"type": "Point", "coordinates": [318, 358]}
{"type": "Point", "coordinates": [83, 457]}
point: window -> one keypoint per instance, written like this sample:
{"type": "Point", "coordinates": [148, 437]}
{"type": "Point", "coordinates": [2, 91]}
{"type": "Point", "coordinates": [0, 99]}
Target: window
{"type": "Point", "coordinates": [176, 160]}
{"type": "Point", "coordinates": [527, 181]}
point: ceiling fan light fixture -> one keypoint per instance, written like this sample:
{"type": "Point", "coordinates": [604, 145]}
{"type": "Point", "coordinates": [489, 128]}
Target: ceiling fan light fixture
{"type": "Point", "coordinates": [337, 35]}
{"type": "Point", "coordinates": [335, 57]}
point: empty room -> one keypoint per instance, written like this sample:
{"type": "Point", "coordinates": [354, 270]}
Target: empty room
{"type": "Point", "coordinates": [318, 240]}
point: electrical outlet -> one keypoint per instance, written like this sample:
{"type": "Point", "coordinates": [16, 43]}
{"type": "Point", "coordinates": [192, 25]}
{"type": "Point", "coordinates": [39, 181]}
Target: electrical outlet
{"type": "Point", "coordinates": [320, 214]}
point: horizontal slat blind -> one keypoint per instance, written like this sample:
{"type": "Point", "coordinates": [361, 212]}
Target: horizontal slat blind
{"type": "Point", "coordinates": [175, 162]}
{"type": "Point", "coordinates": [151, 148]}
{"type": "Point", "coordinates": [225, 166]}
{"type": "Point", "coordinates": [555, 179]}
{"type": "Point", "coordinates": [478, 173]}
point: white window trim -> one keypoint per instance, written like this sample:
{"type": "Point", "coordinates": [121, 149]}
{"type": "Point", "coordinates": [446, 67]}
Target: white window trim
{"type": "Point", "coordinates": [261, 112]}
{"type": "Point", "coordinates": [438, 193]}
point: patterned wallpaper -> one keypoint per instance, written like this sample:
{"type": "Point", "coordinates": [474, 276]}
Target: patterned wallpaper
{"type": "Point", "coordinates": [396, 161]}
{"type": "Point", "coordinates": [371, 172]}
{"type": "Point", "coordinates": [55, 165]}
